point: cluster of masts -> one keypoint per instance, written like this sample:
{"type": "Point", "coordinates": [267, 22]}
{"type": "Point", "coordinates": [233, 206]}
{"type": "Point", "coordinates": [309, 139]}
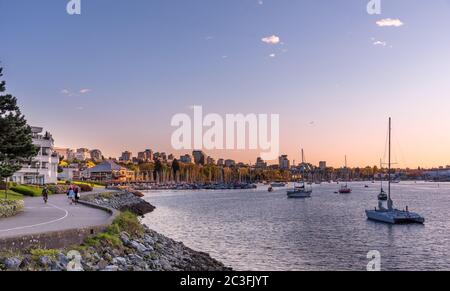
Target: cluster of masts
{"type": "Point", "coordinates": [384, 213]}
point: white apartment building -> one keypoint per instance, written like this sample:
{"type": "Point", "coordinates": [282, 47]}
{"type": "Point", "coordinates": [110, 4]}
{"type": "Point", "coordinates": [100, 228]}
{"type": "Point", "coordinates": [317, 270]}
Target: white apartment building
{"type": "Point", "coordinates": [42, 169]}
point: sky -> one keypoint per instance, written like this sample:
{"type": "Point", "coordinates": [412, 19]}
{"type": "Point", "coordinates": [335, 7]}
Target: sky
{"type": "Point", "coordinates": [113, 77]}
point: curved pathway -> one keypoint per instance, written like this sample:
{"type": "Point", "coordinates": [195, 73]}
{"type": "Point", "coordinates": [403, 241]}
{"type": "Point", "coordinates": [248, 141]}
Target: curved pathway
{"type": "Point", "coordinates": [57, 215]}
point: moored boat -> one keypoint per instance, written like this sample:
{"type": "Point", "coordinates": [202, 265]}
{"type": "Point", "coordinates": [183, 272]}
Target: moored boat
{"type": "Point", "coordinates": [300, 191]}
{"type": "Point", "coordinates": [389, 214]}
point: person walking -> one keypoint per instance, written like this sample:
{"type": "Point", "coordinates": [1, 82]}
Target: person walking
{"type": "Point", "coordinates": [71, 195]}
{"type": "Point", "coordinates": [77, 194]}
{"type": "Point", "coordinates": [45, 194]}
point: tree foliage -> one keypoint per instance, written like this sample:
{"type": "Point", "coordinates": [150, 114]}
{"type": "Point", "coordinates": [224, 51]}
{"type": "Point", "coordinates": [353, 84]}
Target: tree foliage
{"type": "Point", "coordinates": [16, 145]}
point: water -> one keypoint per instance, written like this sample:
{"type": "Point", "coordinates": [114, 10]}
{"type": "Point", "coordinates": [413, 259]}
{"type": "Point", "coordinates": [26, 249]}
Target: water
{"type": "Point", "coordinates": [258, 230]}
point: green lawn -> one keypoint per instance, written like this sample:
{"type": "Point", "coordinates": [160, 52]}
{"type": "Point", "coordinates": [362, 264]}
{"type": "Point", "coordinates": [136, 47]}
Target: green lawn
{"type": "Point", "coordinates": [11, 195]}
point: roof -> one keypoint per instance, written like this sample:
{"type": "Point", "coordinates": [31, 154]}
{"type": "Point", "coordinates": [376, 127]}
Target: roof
{"type": "Point", "coordinates": [107, 166]}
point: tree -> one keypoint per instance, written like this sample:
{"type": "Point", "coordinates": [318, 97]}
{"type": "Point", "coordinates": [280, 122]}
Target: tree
{"type": "Point", "coordinates": [16, 144]}
{"type": "Point", "coordinates": [175, 166]}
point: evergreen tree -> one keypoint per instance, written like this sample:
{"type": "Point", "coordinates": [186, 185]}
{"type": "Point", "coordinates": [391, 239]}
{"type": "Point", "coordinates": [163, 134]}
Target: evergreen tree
{"type": "Point", "coordinates": [16, 145]}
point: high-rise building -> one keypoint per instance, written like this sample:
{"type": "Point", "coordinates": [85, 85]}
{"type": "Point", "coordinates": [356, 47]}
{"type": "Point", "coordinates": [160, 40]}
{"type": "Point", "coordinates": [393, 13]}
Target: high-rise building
{"type": "Point", "coordinates": [126, 157]}
{"type": "Point", "coordinates": [283, 162]}
{"type": "Point", "coordinates": [145, 156]}
{"type": "Point", "coordinates": [260, 163]}
{"type": "Point", "coordinates": [96, 155]}
{"type": "Point", "coordinates": [186, 159]}
{"type": "Point", "coordinates": [220, 162]}
{"type": "Point", "coordinates": [230, 163]}
{"type": "Point", "coordinates": [82, 154]}
{"type": "Point", "coordinates": [210, 161]}
{"type": "Point", "coordinates": [199, 157]}
{"type": "Point", "coordinates": [322, 165]}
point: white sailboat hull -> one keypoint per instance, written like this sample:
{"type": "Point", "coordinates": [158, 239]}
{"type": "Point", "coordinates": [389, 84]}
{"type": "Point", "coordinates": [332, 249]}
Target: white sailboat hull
{"type": "Point", "coordinates": [299, 193]}
{"type": "Point", "coordinates": [394, 216]}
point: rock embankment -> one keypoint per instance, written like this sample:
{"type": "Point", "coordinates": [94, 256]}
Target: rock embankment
{"type": "Point", "coordinates": [122, 201]}
{"type": "Point", "coordinates": [149, 252]}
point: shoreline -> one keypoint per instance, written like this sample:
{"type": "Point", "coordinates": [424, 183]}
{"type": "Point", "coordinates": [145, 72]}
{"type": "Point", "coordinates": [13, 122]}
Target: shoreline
{"type": "Point", "coordinates": [126, 245]}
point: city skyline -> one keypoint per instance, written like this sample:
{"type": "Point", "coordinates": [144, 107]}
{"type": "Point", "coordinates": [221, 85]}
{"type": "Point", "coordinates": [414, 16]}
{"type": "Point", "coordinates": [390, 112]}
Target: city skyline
{"type": "Point", "coordinates": [113, 77]}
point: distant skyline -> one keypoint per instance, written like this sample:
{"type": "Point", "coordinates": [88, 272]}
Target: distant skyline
{"type": "Point", "coordinates": [113, 77]}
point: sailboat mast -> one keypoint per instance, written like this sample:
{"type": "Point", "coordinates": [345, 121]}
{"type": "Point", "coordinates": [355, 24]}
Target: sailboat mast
{"type": "Point", "coordinates": [381, 171]}
{"type": "Point", "coordinates": [303, 168]}
{"type": "Point", "coordinates": [389, 170]}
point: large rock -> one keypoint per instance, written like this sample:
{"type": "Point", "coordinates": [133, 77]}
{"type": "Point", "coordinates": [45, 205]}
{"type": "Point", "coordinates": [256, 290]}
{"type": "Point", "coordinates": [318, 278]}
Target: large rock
{"type": "Point", "coordinates": [12, 264]}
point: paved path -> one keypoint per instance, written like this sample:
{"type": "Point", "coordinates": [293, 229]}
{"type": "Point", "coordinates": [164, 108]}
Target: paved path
{"type": "Point", "coordinates": [57, 215]}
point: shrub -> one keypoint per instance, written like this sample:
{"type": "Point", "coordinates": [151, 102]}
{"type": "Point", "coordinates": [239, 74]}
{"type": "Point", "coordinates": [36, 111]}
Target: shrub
{"type": "Point", "coordinates": [33, 191]}
{"type": "Point", "coordinates": [37, 253]}
{"type": "Point", "coordinates": [85, 187]}
{"type": "Point", "coordinates": [58, 189]}
{"type": "Point", "coordinates": [129, 223]}
{"type": "Point", "coordinates": [125, 222]}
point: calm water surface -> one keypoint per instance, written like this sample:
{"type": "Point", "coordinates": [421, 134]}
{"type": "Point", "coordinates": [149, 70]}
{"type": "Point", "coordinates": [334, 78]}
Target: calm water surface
{"type": "Point", "coordinates": [257, 230]}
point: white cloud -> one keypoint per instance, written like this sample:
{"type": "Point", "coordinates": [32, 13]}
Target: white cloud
{"type": "Point", "coordinates": [85, 91]}
{"type": "Point", "coordinates": [273, 39]}
{"type": "Point", "coordinates": [379, 43]}
{"type": "Point", "coordinates": [390, 22]}
{"type": "Point", "coordinates": [272, 55]}
{"type": "Point", "coordinates": [67, 92]}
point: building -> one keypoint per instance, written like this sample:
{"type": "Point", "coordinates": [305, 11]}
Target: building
{"type": "Point", "coordinates": [43, 169]}
{"type": "Point", "coordinates": [96, 155]}
{"type": "Point", "coordinates": [322, 165]}
{"type": "Point", "coordinates": [210, 161]}
{"type": "Point", "coordinates": [69, 174]}
{"type": "Point", "coordinates": [145, 156]}
{"type": "Point", "coordinates": [187, 159]}
{"type": "Point", "coordinates": [221, 162]}
{"type": "Point", "coordinates": [199, 157]}
{"type": "Point", "coordinates": [260, 163]}
{"type": "Point", "coordinates": [230, 163]}
{"type": "Point", "coordinates": [82, 154]}
{"type": "Point", "coordinates": [126, 157]}
{"type": "Point", "coordinates": [283, 162]}
{"type": "Point", "coordinates": [160, 156]}
{"type": "Point", "coordinates": [109, 171]}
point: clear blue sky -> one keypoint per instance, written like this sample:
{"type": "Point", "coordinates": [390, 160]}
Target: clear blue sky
{"type": "Point", "coordinates": [113, 77]}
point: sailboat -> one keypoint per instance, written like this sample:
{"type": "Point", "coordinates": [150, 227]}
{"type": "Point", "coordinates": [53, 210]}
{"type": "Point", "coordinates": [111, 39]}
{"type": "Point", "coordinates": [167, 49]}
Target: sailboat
{"type": "Point", "coordinates": [344, 188]}
{"type": "Point", "coordinates": [383, 195]}
{"type": "Point", "coordinates": [300, 191]}
{"type": "Point", "coordinates": [390, 214]}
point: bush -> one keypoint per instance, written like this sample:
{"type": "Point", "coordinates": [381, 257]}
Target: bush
{"type": "Point", "coordinates": [85, 188]}
{"type": "Point", "coordinates": [58, 189]}
{"type": "Point", "coordinates": [33, 191]}
{"type": "Point", "coordinates": [129, 223]}
{"type": "Point", "coordinates": [125, 222]}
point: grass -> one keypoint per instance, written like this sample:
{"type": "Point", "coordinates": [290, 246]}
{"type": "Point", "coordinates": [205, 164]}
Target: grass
{"type": "Point", "coordinates": [37, 253]}
{"type": "Point", "coordinates": [125, 222]}
{"type": "Point", "coordinates": [11, 195]}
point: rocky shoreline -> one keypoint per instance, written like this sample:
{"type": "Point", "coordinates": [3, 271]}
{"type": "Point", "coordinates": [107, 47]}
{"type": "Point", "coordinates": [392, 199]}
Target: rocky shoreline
{"type": "Point", "coordinates": [122, 201]}
{"type": "Point", "coordinates": [127, 245]}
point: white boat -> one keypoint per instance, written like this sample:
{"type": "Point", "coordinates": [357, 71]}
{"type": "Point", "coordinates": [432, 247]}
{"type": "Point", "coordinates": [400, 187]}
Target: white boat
{"type": "Point", "coordinates": [300, 191]}
{"type": "Point", "coordinates": [389, 214]}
